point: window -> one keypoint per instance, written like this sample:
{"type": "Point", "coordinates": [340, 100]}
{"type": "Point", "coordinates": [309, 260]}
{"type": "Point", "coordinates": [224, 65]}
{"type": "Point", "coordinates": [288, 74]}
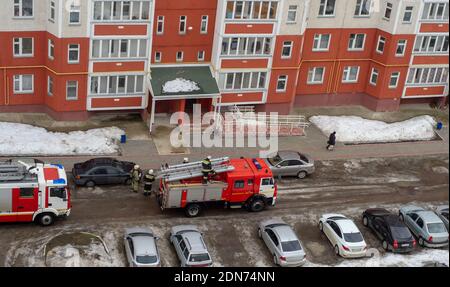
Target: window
{"type": "Point", "coordinates": [23, 84]}
{"type": "Point", "coordinates": [23, 8]}
{"type": "Point", "coordinates": [23, 47]}
{"type": "Point", "coordinates": [201, 55]}
{"type": "Point", "coordinates": [420, 76]}
{"type": "Point", "coordinates": [287, 50]}
{"type": "Point", "coordinates": [126, 84]}
{"type": "Point", "coordinates": [204, 25]}
{"type": "Point", "coordinates": [129, 48]}
{"type": "Point", "coordinates": [26, 192]}
{"type": "Point", "coordinates": [121, 10]}
{"type": "Point", "coordinates": [71, 90]}
{"type": "Point", "coordinates": [321, 42]}
{"type": "Point", "coordinates": [52, 11]}
{"type": "Point", "coordinates": [292, 14]}
{"type": "Point", "coordinates": [356, 42]}
{"type": "Point", "coordinates": [180, 56]}
{"type": "Point", "coordinates": [282, 83]}
{"type": "Point", "coordinates": [350, 74]}
{"type": "Point", "coordinates": [49, 86]}
{"type": "Point", "coordinates": [59, 192]}
{"type": "Point", "coordinates": [388, 11]}
{"type": "Point", "coordinates": [315, 75]}
{"type": "Point", "coordinates": [393, 82]}
{"type": "Point", "coordinates": [435, 11]}
{"type": "Point", "coordinates": [381, 44]}
{"type": "Point", "coordinates": [250, 46]}
{"type": "Point", "coordinates": [243, 81]}
{"type": "Point", "coordinates": [239, 184]}
{"type": "Point", "coordinates": [51, 49]}
{"type": "Point", "coordinates": [374, 77]}
{"type": "Point", "coordinates": [363, 8]}
{"type": "Point", "coordinates": [74, 14]}
{"type": "Point", "coordinates": [157, 57]}
{"type": "Point", "coordinates": [74, 53]}
{"type": "Point", "coordinates": [327, 7]}
{"type": "Point", "coordinates": [420, 222]}
{"type": "Point", "coordinates": [160, 25]}
{"type": "Point", "coordinates": [407, 16]}
{"type": "Point", "coordinates": [401, 47]}
{"type": "Point", "coordinates": [182, 28]}
{"type": "Point", "coordinates": [432, 44]}
{"type": "Point", "coordinates": [254, 10]}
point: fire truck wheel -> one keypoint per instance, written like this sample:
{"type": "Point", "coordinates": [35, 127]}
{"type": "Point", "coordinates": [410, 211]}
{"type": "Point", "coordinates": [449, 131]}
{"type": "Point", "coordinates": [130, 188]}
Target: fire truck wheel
{"type": "Point", "coordinates": [257, 205]}
{"type": "Point", "coordinates": [46, 219]}
{"type": "Point", "coordinates": [193, 210]}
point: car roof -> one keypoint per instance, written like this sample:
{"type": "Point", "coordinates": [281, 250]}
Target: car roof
{"type": "Point", "coordinates": [285, 233]}
{"type": "Point", "coordinates": [346, 225]}
{"type": "Point", "coordinates": [393, 220]}
{"type": "Point", "coordinates": [429, 216]}
{"type": "Point", "coordinates": [195, 242]}
{"type": "Point", "coordinates": [144, 245]}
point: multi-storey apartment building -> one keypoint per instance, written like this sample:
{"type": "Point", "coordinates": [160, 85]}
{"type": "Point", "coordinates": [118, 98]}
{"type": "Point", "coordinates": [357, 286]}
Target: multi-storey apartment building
{"type": "Point", "coordinates": [72, 58]}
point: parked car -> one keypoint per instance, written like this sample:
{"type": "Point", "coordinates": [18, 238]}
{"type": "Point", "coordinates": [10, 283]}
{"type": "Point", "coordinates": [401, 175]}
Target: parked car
{"type": "Point", "coordinates": [425, 225]}
{"type": "Point", "coordinates": [101, 171]}
{"type": "Point", "coordinates": [442, 212]}
{"type": "Point", "coordinates": [282, 242]}
{"type": "Point", "coordinates": [344, 235]}
{"type": "Point", "coordinates": [190, 246]}
{"type": "Point", "coordinates": [393, 233]}
{"type": "Point", "coordinates": [140, 248]}
{"type": "Point", "coordinates": [291, 163]}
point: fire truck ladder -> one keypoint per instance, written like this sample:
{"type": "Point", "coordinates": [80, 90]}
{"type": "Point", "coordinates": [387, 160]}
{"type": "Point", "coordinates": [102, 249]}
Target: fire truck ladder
{"type": "Point", "coordinates": [193, 169]}
{"type": "Point", "coordinates": [11, 172]}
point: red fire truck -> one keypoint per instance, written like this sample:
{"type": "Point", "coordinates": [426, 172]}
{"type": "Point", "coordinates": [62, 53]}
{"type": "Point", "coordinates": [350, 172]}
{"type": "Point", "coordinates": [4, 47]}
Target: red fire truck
{"type": "Point", "coordinates": [33, 192]}
{"type": "Point", "coordinates": [236, 183]}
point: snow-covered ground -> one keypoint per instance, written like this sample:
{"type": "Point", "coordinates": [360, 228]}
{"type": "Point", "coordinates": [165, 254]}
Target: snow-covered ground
{"type": "Point", "coordinates": [180, 85]}
{"type": "Point", "coordinates": [20, 139]}
{"type": "Point", "coordinates": [353, 129]}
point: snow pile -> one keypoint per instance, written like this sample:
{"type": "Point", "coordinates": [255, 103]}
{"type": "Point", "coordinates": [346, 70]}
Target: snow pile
{"type": "Point", "coordinates": [353, 129]}
{"type": "Point", "coordinates": [20, 139]}
{"type": "Point", "coordinates": [93, 255]}
{"type": "Point", "coordinates": [180, 85]}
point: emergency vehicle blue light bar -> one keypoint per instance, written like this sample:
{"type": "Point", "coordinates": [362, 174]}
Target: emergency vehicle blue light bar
{"type": "Point", "coordinates": [59, 181]}
{"type": "Point", "coordinates": [257, 164]}
{"type": "Point", "coordinates": [58, 166]}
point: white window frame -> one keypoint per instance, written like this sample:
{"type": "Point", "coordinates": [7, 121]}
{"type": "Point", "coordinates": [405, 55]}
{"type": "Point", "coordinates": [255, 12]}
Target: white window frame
{"type": "Point", "coordinates": [72, 49]}
{"type": "Point", "coordinates": [381, 39]}
{"type": "Point", "coordinates": [52, 13]}
{"type": "Point", "coordinates": [19, 78]}
{"type": "Point", "coordinates": [292, 10]}
{"type": "Point", "coordinates": [436, 76]}
{"type": "Point", "coordinates": [323, 5]}
{"type": "Point", "coordinates": [180, 59]}
{"type": "Point", "coordinates": [426, 14]}
{"type": "Point", "coordinates": [51, 49]}
{"type": "Point", "coordinates": [395, 75]}
{"type": "Point", "coordinates": [389, 7]}
{"type": "Point", "coordinates": [72, 86]}
{"type": "Point", "coordinates": [19, 41]}
{"type": "Point", "coordinates": [408, 11]}
{"type": "Point", "coordinates": [346, 73]}
{"type": "Point", "coordinates": [109, 43]}
{"type": "Point", "coordinates": [265, 42]}
{"type": "Point", "coordinates": [260, 75]}
{"type": "Point", "coordinates": [158, 59]}
{"type": "Point", "coordinates": [50, 86]}
{"type": "Point", "coordinates": [353, 46]}
{"type": "Point", "coordinates": [204, 24]}
{"type": "Point", "coordinates": [360, 4]}
{"type": "Point", "coordinates": [160, 21]}
{"type": "Point", "coordinates": [401, 43]}
{"type": "Point", "coordinates": [287, 44]}
{"type": "Point", "coordinates": [422, 45]}
{"type": "Point", "coordinates": [255, 10]}
{"type": "Point", "coordinates": [135, 6]}
{"type": "Point", "coordinates": [373, 73]}
{"type": "Point", "coordinates": [201, 56]}
{"type": "Point", "coordinates": [19, 4]}
{"type": "Point", "coordinates": [318, 40]}
{"type": "Point", "coordinates": [183, 20]}
{"type": "Point", "coordinates": [282, 79]}
{"type": "Point", "coordinates": [312, 71]}
{"type": "Point", "coordinates": [74, 9]}
{"type": "Point", "coordinates": [108, 81]}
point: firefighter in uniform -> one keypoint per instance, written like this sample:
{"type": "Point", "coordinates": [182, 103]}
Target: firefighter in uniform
{"type": "Point", "coordinates": [136, 175]}
{"type": "Point", "coordinates": [149, 179]}
{"type": "Point", "coordinates": [206, 169]}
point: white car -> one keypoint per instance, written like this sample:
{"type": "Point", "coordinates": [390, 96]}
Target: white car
{"type": "Point", "coordinates": [140, 248]}
{"type": "Point", "coordinates": [344, 235]}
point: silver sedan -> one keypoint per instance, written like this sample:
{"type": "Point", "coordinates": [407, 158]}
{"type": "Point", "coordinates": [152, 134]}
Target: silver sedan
{"type": "Point", "coordinates": [140, 248]}
{"type": "Point", "coordinates": [442, 212]}
{"type": "Point", "coordinates": [282, 243]}
{"type": "Point", "coordinates": [291, 163]}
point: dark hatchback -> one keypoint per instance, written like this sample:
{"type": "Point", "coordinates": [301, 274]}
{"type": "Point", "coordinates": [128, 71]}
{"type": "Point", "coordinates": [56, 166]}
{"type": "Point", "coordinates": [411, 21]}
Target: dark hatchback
{"type": "Point", "coordinates": [393, 233]}
{"type": "Point", "coordinates": [102, 171]}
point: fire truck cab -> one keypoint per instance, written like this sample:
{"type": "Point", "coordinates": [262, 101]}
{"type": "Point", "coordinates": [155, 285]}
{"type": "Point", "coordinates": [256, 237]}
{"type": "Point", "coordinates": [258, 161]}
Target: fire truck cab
{"type": "Point", "coordinates": [34, 192]}
{"type": "Point", "coordinates": [236, 183]}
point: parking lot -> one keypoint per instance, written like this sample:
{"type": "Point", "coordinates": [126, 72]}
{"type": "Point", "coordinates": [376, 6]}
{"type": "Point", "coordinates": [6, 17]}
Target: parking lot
{"type": "Point", "coordinates": [347, 187]}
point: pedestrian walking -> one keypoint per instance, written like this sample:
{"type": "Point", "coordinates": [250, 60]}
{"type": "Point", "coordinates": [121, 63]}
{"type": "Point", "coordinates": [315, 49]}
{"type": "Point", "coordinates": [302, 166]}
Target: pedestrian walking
{"type": "Point", "coordinates": [149, 179]}
{"type": "Point", "coordinates": [136, 175]}
{"type": "Point", "coordinates": [331, 141]}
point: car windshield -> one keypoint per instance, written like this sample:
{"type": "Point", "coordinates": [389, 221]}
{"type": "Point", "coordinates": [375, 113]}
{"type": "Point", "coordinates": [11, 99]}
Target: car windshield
{"type": "Point", "coordinates": [275, 160]}
{"type": "Point", "coordinates": [353, 237]}
{"type": "Point", "coordinates": [291, 246]}
{"type": "Point", "coordinates": [199, 257]}
{"type": "Point", "coordinates": [436, 228]}
{"type": "Point", "coordinates": [146, 259]}
{"type": "Point", "coordinates": [400, 232]}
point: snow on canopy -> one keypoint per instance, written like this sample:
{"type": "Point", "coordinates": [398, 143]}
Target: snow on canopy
{"type": "Point", "coordinates": [180, 85]}
{"type": "Point", "coordinates": [353, 129]}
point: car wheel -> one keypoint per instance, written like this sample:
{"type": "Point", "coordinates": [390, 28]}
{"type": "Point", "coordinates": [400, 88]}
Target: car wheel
{"type": "Point", "coordinates": [365, 221]}
{"type": "Point", "coordinates": [259, 233]}
{"type": "Point", "coordinates": [321, 226]}
{"type": "Point", "coordinates": [385, 245]}
{"type": "Point", "coordinates": [193, 210]}
{"type": "Point", "coordinates": [302, 174]}
{"type": "Point", "coordinates": [402, 218]}
{"type": "Point", "coordinates": [421, 242]}
{"type": "Point", "coordinates": [128, 181]}
{"type": "Point", "coordinates": [257, 205]}
{"type": "Point", "coordinates": [46, 219]}
{"type": "Point", "coordinates": [337, 251]}
{"type": "Point", "coordinates": [90, 184]}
